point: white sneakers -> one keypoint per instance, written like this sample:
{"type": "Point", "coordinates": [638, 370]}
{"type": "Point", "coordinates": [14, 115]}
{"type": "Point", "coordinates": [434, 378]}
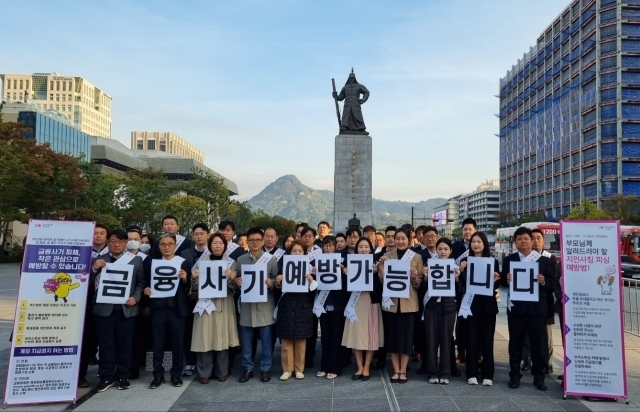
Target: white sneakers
{"type": "Point", "coordinates": [299, 375]}
{"type": "Point", "coordinates": [487, 382]}
{"type": "Point", "coordinates": [472, 381]}
{"type": "Point", "coordinates": [444, 381]}
{"type": "Point", "coordinates": [285, 376]}
{"type": "Point", "coordinates": [433, 380]}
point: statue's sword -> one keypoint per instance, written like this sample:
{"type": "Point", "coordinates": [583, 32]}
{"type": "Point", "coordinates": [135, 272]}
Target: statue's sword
{"type": "Point", "coordinates": [335, 99]}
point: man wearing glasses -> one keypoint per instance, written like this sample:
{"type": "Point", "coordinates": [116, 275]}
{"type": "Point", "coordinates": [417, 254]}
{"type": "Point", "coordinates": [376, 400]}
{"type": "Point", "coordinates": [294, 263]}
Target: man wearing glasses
{"type": "Point", "coordinates": [257, 317]}
{"type": "Point", "coordinates": [169, 312]}
{"type": "Point", "coordinates": [116, 323]}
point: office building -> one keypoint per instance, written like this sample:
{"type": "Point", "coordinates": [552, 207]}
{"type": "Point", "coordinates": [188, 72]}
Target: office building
{"type": "Point", "coordinates": [87, 107]}
{"type": "Point", "coordinates": [166, 142]}
{"type": "Point", "coordinates": [570, 112]}
{"type": "Point", "coordinates": [446, 216]}
{"type": "Point", "coordinates": [483, 205]}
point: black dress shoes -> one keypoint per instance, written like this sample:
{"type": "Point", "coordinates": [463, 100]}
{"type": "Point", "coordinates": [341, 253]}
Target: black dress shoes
{"type": "Point", "coordinates": [541, 386]}
{"type": "Point", "coordinates": [246, 375]}
{"type": "Point", "coordinates": [514, 384]}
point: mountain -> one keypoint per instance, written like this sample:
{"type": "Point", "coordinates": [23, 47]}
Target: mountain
{"type": "Point", "coordinates": [289, 197]}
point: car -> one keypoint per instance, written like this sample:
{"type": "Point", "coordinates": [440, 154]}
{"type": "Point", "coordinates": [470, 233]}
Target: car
{"type": "Point", "coordinates": [630, 267]}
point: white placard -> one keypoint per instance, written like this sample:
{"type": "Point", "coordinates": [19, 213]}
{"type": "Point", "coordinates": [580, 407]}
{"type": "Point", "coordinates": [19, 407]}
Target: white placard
{"type": "Point", "coordinates": [442, 277]}
{"type": "Point", "coordinates": [164, 277]}
{"type": "Point", "coordinates": [524, 286]}
{"type": "Point", "coordinates": [115, 284]}
{"type": "Point", "coordinates": [480, 276]}
{"type": "Point", "coordinates": [294, 271]}
{"type": "Point", "coordinates": [360, 273]}
{"type": "Point", "coordinates": [594, 362]}
{"type": "Point", "coordinates": [50, 310]}
{"type": "Point", "coordinates": [254, 289]}
{"type": "Point", "coordinates": [397, 278]}
{"type": "Point", "coordinates": [212, 280]}
{"type": "Point", "coordinates": [328, 272]}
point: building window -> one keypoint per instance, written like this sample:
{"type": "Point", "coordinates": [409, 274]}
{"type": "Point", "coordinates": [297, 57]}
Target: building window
{"type": "Point", "coordinates": [151, 145]}
{"type": "Point", "coordinates": [57, 85]}
{"type": "Point", "coordinates": [140, 145]}
{"type": "Point", "coordinates": [57, 97]}
{"type": "Point", "coordinates": [26, 82]}
{"type": "Point", "coordinates": [15, 84]}
{"type": "Point", "coordinates": [64, 86]}
{"type": "Point", "coordinates": [64, 97]}
{"type": "Point", "coordinates": [163, 146]}
{"type": "Point", "coordinates": [51, 97]}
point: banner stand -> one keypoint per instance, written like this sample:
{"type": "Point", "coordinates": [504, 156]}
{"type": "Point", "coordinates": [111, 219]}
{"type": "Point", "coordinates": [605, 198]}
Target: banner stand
{"type": "Point", "coordinates": [593, 310]}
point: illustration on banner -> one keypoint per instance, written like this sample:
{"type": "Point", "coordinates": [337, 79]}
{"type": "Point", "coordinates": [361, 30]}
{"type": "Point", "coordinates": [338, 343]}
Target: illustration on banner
{"type": "Point", "coordinates": [60, 285]}
{"type": "Point", "coordinates": [606, 281]}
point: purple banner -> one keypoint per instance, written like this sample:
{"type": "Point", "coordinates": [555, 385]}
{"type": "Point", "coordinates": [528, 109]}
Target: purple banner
{"type": "Point", "coordinates": [45, 350]}
{"type": "Point", "coordinates": [48, 258]}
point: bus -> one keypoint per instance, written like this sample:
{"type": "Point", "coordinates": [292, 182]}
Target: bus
{"type": "Point", "coordinates": [505, 243]}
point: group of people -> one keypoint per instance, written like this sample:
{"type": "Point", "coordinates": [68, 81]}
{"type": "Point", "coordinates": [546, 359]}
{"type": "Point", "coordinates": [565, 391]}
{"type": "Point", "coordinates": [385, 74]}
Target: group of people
{"type": "Point", "coordinates": [206, 335]}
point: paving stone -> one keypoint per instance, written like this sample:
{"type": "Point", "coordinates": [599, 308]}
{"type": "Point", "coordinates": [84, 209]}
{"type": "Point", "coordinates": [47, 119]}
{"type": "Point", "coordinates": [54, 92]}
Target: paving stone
{"type": "Point", "coordinates": [441, 403]}
{"type": "Point", "coordinates": [473, 403]}
{"type": "Point", "coordinates": [301, 405]}
{"type": "Point", "coordinates": [247, 406]}
{"type": "Point", "coordinates": [365, 405]}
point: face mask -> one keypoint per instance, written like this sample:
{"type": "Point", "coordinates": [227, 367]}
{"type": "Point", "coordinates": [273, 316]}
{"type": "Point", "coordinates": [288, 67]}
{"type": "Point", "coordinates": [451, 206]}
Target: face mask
{"type": "Point", "coordinates": [133, 245]}
{"type": "Point", "coordinates": [144, 248]}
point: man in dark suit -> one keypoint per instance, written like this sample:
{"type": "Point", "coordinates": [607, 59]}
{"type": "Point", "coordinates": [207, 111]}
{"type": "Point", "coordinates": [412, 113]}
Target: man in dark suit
{"type": "Point", "coordinates": [116, 323]}
{"type": "Point", "coordinates": [228, 229]}
{"type": "Point", "coordinates": [170, 225]}
{"type": "Point", "coordinates": [528, 317]}
{"type": "Point", "coordinates": [427, 250]}
{"type": "Point", "coordinates": [168, 313]}
{"type": "Point", "coordinates": [390, 245]}
{"type": "Point", "coordinates": [200, 236]}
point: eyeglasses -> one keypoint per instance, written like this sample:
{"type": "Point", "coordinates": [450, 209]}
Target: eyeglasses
{"type": "Point", "coordinates": [254, 240]}
{"type": "Point", "coordinates": [309, 236]}
{"type": "Point", "coordinates": [167, 244]}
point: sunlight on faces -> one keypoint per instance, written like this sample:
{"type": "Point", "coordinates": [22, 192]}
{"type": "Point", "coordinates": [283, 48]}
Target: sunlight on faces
{"type": "Point", "coordinates": [167, 247]}
{"type": "Point", "coordinates": [371, 235]}
{"type": "Point", "coordinates": [243, 243]}
{"type": "Point", "coordinates": [430, 239]}
{"type": "Point", "coordinates": [402, 241]}
{"type": "Point", "coordinates": [390, 239]}
{"type": "Point", "coordinates": [329, 248]}
{"type": "Point", "coordinates": [170, 226]}
{"type": "Point", "coordinates": [363, 248]}
{"type": "Point", "coordinates": [308, 239]}
{"type": "Point", "coordinates": [379, 240]}
{"type": "Point", "coordinates": [228, 233]}
{"type": "Point", "coordinates": [323, 230]}
{"type": "Point", "coordinates": [297, 250]}
{"type": "Point", "coordinates": [352, 239]}
{"type": "Point", "coordinates": [299, 231]}
{"type": "Point", "coordinates": [340, 243]}
{"type": "Point", "coordinates": [288, 241]}
{"type": "Point", "coordinates": [476, 245]}
{"type": "Point", "coordinates": [134, 236]}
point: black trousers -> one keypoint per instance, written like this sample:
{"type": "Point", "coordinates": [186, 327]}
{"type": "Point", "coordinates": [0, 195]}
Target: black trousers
{"type": "Point", "coordinates": [310, 352]}
{"type": "Point", "coordinates": [536, 326]}
{"type": "Point", "coordinates": [419, 339]}
{"type": "Point", "coordinates": [482, 329]}
{"type": "Point", "coordinates": [115, 337]}
{"type": "Point", "coordinates": [89, 343]}
{"type": "Point", "coordinates": [163, 320]}
{"type": "Point", "coordinates": [332, 324]}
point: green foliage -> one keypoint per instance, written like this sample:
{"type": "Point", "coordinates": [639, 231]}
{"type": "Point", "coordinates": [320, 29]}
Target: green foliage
{"type": "Point", "coordinates": [587, 211]}
{"type": "Point", "coordinates": [189, 210]}
{"type": "Point", "coordinates": [282, 226]}
{"type": "Point", "coordinates": [241, 214]}
{"type": "Point", "coordinates": [214, 192]}
{"type": "Point", "coordinates": [142, 197]}
{"type": "Point", "coordinates": [626, 209]}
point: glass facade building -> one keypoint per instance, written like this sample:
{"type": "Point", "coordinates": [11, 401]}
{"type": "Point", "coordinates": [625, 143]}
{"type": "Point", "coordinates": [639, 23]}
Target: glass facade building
{"type": "Point", "coordinates": [570, 112]}
{"type": "Point", "coordinates": [62, 137]}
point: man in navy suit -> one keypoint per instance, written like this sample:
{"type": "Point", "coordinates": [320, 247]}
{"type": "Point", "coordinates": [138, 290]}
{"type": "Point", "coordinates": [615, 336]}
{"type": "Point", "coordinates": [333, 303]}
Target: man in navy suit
{"type": "Point", "coordinates": [528, 317]}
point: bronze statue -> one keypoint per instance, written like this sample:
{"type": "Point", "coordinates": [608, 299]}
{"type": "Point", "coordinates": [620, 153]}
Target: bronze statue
{"type": "Point", "coordinates": [352, 121]}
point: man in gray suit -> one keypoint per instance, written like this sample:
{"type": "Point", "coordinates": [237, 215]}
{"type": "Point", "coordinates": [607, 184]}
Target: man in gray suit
{"type": "Point", "coordinates": [116, 323]}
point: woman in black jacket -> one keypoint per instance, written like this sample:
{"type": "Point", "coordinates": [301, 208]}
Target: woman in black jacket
{"type": "Point", "coordinates": [439, 320]}
{"type": "Point", "coordinates": [295, 322]}
{"type": "Point", "coordinates": [482, 322]}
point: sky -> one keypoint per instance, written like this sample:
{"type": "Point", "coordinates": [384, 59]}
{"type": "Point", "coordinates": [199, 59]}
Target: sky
{"type": "Point", "coordinates": [249, 82]}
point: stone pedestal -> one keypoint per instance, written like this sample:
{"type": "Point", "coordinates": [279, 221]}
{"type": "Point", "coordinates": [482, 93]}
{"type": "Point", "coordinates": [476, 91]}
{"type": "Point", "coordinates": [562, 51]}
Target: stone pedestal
{"type": "Point", "coordinates": [352, 181]}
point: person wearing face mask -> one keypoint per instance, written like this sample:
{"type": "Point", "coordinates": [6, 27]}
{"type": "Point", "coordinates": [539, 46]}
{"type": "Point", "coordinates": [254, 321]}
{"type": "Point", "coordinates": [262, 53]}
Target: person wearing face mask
{"type": "Point", "coordinates": [200, 236]}
{"type": "Point", "coordinates": [145, 244]}
{"type": "Point", "coordinates": [142, 329]}
{"type": "Point", "coordinates": [482, 322]}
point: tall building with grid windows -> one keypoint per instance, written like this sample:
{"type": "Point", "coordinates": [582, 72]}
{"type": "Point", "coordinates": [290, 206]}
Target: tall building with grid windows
{"type": "Point", "coordinates": [87, 107]}
{"type": "Point", "coordinates": [166, 142]}
{"type": "Point", "coordinates": [570, 112]}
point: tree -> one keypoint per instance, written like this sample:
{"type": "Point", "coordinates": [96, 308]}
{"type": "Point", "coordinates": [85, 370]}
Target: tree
{"type": "Point", "coordinates": [240, 213]}
{"type": "Point", "coordinates": [586, 210]}
{"type": "Point", "coordinates": [212, 189]}
{"type": "Point", "coordinates": [189, 210]}
{"type": "Point", "coordinates": [101, 196]}
{"type": "Point", "coordinates": [282, 226]}
{"type": "Point", "coordinates": [531, 217]}
{"type": "Point", "coordinates": [626, 209]}
{"type": "Point", "coordinates": [141, 198]}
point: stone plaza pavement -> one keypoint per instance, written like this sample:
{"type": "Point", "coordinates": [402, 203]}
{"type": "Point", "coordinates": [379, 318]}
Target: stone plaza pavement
{"type": "Point", "coordinates": [319, 394]}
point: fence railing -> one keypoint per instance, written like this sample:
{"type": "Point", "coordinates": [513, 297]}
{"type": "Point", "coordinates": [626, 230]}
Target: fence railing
{"type": "Point", "coordinates": [631, 297]}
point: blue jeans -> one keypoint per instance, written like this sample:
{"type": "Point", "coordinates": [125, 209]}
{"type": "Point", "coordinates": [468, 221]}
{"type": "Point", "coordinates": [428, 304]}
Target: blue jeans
{"type": "Point", "coordinates": [266, 336]}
